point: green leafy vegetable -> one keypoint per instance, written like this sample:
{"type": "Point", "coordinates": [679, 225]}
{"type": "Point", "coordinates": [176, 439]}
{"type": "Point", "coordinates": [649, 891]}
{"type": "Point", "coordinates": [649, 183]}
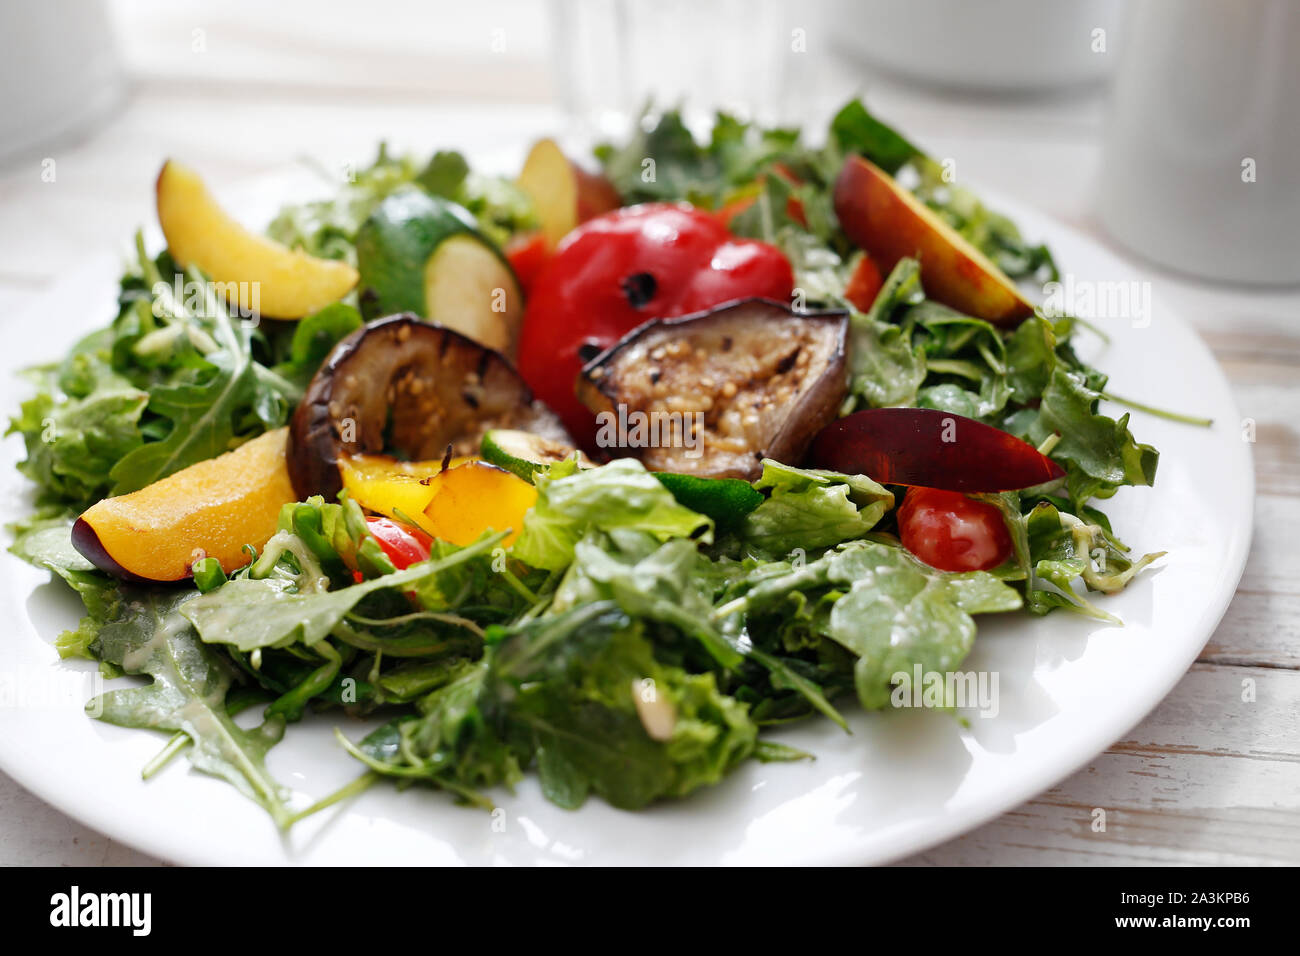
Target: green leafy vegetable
{"type": "Point", "coordinates": [621, 494]}
{"type": "Point", "coordinates": [811, 509]}
{"type": "Point", "coordinates": [1100, 453]}
{"type": "Point", "coordinates": [84, 419]}
{"type": "Point", "coordinates": [643, 627]}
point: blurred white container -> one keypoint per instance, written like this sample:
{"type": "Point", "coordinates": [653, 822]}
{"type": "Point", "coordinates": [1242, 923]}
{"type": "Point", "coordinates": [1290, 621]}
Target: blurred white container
{"type": "Point", "coordinates": [984, 46]}
{"type": "Point", "coordinates": [613, 56]}
{"type": "Point", "coordinates": [59, 72]}
{"type": "Point", "coordinates": [1201, 167]}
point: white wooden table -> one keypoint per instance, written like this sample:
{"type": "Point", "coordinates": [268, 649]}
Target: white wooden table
{"type": "Point", "coordinates": [1206, 778]}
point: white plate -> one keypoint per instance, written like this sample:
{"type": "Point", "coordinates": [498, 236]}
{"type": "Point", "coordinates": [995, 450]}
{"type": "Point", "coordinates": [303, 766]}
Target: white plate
{"type": "Point", "coordinates": [903, 781]}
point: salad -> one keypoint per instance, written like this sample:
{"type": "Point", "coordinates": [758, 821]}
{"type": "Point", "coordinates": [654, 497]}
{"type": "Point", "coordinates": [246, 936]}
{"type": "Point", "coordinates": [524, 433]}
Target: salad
{"type": "Point", "coordinates": [592, 475]}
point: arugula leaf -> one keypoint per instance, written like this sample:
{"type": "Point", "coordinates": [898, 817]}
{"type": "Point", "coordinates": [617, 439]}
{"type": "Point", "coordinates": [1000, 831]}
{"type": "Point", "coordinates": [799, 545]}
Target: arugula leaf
{"type": "Point", "coordinates": [1100, 453]}
{"type": "Point", "coordinates": [677, 166]}
{"type": "Point", "coordinates": [743, 150]}
{"type": "Point", "coordinates": [854, 130]}
{"type": "Point", "coordinates": [148, 636]}
{"type": "Point", "coordinates": [1030, 358]}
{"type": "Point", "coordinates": [452, 743]}
{"type": "Point", "coordinates": [140, 631]}
{"type": "Point", "coordinates": [590, 736]}
{"type": "Point", "coordinates": [201, 413]}
{"type": "Point", "coordinates": [886, 607]}
{"type": "Point", "coordinates": [1063, 548]}
{"type": "Point", "coordinates": [668, 582]}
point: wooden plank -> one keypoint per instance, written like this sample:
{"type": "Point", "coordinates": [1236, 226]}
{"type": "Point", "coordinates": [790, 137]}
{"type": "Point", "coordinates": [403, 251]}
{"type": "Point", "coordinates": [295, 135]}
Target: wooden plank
{"type": "Point", "coordinates": [1208, 778]}
{"type": "Point", "coordinates": [1236, 346]}
{"type": "Point", "coordinates": [1260, 629]}
{"type": "Point", "coordinates": [1050, 832]}
{"type": "Point", "coordinates": [1274, 563]}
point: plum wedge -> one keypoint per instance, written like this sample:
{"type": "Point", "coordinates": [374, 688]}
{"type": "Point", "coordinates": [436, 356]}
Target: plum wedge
{"type": "Point", "coordinates": [889, 223]}
{"type": "Point", "coordinates": [211, 509]}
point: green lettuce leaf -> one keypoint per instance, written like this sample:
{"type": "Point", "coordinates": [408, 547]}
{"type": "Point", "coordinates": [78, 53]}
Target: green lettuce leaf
{"type": "Point", "coordinates": [884, 606]}
{"type": "Point", "coordinates": [82, 421]}
{"type": "Point", "coordinates": [279, 610]}
{"type": "Point", "coordinates": [622, 494]}
{"type": "Point", "coordinates": [584, 708]}
{"type": "Point", "coordinates": [810, 509]}
{"type": "Point", "coordinates": [884, 367]}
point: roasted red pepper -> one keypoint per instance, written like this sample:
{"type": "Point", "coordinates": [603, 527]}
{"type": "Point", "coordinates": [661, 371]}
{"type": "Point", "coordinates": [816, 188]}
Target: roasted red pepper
{"type": "Point", "coordinates": [527, 256]}
{"type": "Point", "coordinates": [624, 268]}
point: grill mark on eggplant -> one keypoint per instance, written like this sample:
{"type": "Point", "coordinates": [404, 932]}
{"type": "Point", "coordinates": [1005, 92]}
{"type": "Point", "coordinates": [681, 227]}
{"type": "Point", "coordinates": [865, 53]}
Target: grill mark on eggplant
{"type": "Point", "coordinates": [762, 378]}
{"type": "Point", "coordinates": [411, 386]}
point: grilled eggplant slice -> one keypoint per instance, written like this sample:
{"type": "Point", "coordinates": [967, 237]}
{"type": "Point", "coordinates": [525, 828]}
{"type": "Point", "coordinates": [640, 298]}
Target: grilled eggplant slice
{"type": "Point", "coordinates": [713, 394]}
{"type": "Point", "coordinates": [410, 388]}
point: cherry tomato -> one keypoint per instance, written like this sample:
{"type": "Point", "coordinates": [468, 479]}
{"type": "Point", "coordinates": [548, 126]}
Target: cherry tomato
{"type": "Point", "coordinates": [951, 532]}
{"type": "Point", "coordinates": [403, 544]}
{"type": "Point", "coordinates": [864, 284]}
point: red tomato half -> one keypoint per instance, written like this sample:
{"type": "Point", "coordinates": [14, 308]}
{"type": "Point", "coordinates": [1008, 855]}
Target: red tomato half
{"type": "Point", "coordinates": [403, 544]}
{"type": "Point", "coordinates": [951, 532]}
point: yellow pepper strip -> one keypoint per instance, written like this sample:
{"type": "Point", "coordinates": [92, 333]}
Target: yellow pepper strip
{"type": "Point", "coordinates": [474, 497]}
{"type": "Point", "coordinates": [398, 489]}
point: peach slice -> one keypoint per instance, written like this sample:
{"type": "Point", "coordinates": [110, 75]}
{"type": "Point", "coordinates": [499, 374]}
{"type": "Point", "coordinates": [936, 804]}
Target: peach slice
{"type": "Point", "coordinates": [210, 509]}
{"type": "Point", "coordinates": [563, 193]}
{"type": "Point", "coordinates": [889, 223]}
{"type": "Point", "coordinates": [263, 275]}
